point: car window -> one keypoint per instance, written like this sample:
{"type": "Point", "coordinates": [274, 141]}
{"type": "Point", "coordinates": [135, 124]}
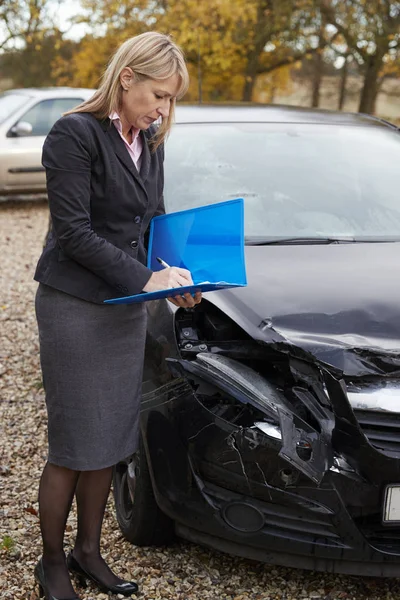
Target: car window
{"type": "Point", "coordinates": [297, 180]}
{"type": "Point", "coordinates": [44, 114]}
{"type": "Point", "coordinates": [9, 103]}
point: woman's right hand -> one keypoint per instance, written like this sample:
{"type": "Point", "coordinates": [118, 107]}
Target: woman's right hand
{"type": "Point", "coordinates": [173, 277]}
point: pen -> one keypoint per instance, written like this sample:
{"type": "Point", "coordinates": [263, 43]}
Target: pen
{"type": "Point", "coordinates": [166, 266]}
{"type": "Point", "coordinates": [163, 263]}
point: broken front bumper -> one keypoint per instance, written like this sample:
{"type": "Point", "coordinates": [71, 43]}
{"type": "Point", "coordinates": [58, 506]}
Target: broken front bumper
{"type": "Point", "coordinates": [289, 493]}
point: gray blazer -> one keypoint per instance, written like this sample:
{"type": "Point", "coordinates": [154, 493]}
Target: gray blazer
{"type": "Point", "coordinates": [100, 207]}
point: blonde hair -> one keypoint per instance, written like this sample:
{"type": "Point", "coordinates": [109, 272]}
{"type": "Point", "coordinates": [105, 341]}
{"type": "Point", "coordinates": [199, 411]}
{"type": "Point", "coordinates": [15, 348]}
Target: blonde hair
{"type": "Point", "coordinates": [150, 55]}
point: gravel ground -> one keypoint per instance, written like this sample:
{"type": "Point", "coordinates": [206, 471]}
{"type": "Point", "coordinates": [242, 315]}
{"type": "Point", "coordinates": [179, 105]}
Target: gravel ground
{"type": "Point", "coordinates": [183, 572]}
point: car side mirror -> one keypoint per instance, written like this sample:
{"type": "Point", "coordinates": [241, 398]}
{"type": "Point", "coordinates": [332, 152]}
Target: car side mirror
{"type": "Point", "coordinates": [22, 128]}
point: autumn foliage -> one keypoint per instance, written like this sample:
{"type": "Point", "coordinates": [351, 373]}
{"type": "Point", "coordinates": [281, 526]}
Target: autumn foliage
{"type": "Point", "coordinates": [234, 48]}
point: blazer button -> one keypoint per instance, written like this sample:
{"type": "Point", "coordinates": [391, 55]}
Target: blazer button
{"type": "Point", "coordinates": [137, 219]}
{"type": "Point", "coordinates": [134, 244]}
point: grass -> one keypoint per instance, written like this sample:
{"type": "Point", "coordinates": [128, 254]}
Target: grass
{"type": "Point", "coordinates": [7, 543]}
{"type": "Point", "coordinates": [38, 384]}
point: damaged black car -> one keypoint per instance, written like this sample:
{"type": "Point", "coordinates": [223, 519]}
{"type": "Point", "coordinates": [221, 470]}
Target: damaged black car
{"type": "Point", "coordinates": [270, 422]}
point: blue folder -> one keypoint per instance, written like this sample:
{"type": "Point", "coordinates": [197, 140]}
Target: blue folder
{"type": "Point", "coordinates": [208, 241]}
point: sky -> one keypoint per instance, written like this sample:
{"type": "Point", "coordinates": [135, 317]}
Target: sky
{"type": "Point", "coordinates": [63, 12]}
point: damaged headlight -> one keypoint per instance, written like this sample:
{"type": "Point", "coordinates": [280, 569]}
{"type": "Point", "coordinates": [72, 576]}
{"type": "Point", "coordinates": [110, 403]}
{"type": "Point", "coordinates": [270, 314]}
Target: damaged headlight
{"type": "Point", "coordinates": [242, 382]}
{"type": "Point", "coordinates": [300, 443]}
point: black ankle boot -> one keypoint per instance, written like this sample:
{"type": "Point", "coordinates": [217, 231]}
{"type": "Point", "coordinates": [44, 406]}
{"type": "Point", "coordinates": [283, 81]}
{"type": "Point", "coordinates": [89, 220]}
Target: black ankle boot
{"type": "Point", "coordinates": [41, 580]}
{"type": "Point", "coordinates": [126, 589]}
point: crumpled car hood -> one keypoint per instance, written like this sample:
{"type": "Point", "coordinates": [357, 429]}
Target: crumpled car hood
{"type": "Point", "coordinates": [338, 302]}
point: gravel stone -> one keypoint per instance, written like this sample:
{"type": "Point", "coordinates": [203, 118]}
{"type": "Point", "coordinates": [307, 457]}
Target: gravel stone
{"type": "Point", "coordinates": [182, 572]}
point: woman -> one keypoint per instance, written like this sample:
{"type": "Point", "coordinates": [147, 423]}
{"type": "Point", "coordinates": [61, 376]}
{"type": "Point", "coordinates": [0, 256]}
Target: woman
{"type": "Point", "coordinates": [104, 169]}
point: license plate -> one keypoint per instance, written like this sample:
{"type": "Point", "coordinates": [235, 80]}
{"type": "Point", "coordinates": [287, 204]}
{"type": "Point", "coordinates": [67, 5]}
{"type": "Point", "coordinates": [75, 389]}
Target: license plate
{"type": "Point", "coordinates": [391, 507]}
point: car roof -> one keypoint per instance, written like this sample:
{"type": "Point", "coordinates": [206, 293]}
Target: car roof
{"type": "Point", "coordinates": [225, 113]}
{"type": "Point", "coordinates": [51, 92]}
{"type": "Point", "coordinates": [272, 114]}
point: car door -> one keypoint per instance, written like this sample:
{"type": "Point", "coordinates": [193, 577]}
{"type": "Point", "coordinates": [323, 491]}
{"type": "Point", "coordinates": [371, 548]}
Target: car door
{"type": "Point", "coordinates": [24, 171]}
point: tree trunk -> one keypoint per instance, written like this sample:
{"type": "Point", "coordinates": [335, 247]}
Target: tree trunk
{"type": "Point", "coordinates": [343, 82]}
{"type": "Point", "coordinates": [317, 78]}
{"type": "Point", "coordinates": [318, 65]}
{"type": "Point", "coordinates": [261, 36]}
{"type": "Point", "coordinates": [199, 73]}
{"type": "Point", "coordinates": [370, 86]}
{"type": "Point", "coordinates": [248, 88]}
{"type": "Point", "coordinates": [251, 71]}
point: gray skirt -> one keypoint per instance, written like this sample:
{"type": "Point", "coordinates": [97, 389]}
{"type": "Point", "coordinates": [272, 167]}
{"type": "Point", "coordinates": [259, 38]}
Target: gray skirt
{"type": "Point", "coordinates": [92, 362]}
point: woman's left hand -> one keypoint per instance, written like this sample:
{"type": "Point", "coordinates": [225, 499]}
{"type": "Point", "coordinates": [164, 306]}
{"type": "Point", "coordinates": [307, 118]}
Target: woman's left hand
{"type": "Point", "coordinates": [186, 301]}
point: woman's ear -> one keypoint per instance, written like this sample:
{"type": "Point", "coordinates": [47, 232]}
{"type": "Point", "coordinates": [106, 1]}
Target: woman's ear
{"type": "Point", "coordinates": [126, 78]}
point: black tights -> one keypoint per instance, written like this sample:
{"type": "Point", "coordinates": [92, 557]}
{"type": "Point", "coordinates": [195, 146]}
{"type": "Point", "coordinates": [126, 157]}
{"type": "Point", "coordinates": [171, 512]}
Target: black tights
{"type": "Point", "coordinates": [56, 492]}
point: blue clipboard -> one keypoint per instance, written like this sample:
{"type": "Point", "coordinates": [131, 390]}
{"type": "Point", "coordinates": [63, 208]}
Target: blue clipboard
{"type": "Point", "coordinates": [208, 241]}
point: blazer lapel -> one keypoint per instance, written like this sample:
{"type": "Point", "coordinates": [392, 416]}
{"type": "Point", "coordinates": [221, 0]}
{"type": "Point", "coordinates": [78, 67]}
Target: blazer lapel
{"type": "Point", "coordinates": [122, 153]}
{"type": "Point", "coordinates": [146, 158]}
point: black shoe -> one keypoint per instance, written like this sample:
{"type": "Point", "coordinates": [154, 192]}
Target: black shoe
{"type": "Point", "coordinates": [43, 591]}
{"type": "Point", "coordinates": [126, 588]}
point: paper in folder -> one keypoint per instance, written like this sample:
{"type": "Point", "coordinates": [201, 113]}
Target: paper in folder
{"type": "Point", "coordinates": [208, 241]}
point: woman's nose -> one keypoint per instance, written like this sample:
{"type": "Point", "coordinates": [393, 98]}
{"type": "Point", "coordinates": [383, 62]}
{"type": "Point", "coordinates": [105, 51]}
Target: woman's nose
{"type": "Point", "coordinates": [163, 110]}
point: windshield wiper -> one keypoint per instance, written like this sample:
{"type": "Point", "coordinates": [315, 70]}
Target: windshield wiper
{"type": "Point", "coordinates": [263, 241]}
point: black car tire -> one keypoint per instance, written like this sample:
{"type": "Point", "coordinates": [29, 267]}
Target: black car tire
{"type": "Point", "coordinates": [141, 521]}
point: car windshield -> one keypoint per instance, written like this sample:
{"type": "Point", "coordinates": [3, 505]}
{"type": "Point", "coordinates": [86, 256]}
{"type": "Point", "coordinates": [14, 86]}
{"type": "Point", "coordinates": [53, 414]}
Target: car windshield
{"type": "Point", "coordinates": [297, 180]}
{"type": "Point", "coordinates": [9, 103]}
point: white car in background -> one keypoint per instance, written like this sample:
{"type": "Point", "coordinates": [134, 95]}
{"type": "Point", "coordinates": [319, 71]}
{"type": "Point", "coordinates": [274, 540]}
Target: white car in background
{"type": "Point", "coordinates": [26, 117]}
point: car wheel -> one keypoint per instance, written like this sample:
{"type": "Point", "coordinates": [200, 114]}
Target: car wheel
{"type": "Point", "coordinates": [140, 519]}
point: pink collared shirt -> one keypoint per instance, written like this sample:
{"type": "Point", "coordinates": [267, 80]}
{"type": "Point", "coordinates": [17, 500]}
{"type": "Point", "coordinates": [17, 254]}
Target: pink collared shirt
{"type": "Point", "coordinates": [134, 149]}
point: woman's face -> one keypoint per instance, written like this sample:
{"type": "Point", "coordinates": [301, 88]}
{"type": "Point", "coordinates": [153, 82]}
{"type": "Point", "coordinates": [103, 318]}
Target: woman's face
{"type": "Point", "coordinates": [143, 102]}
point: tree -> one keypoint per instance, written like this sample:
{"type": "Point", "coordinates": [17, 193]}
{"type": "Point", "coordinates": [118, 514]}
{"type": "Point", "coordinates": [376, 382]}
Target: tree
{"type": "Point", "coordinates": [35, 64]}
{"type": "Point", "coordinates": [30, 42]}
{"type": "Point", "coordinates": [318, 58]}
{"type": "Point", "coordinates": [227, 44]}
{"type": "Point", "coordinates": [236, 42]}
{"type": "Point", "coordinates": [209, 34]}
{"type": "Point", "coordinates": [22, 21]}
{"type": "Point", "coordinates": [279, 34]}
{"type": "Point", "coordinates": [111, 22]}
{"type": "Point", "coordinates": [343, 81]}
{"type": "Point", "coordinates": [371, 29]}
